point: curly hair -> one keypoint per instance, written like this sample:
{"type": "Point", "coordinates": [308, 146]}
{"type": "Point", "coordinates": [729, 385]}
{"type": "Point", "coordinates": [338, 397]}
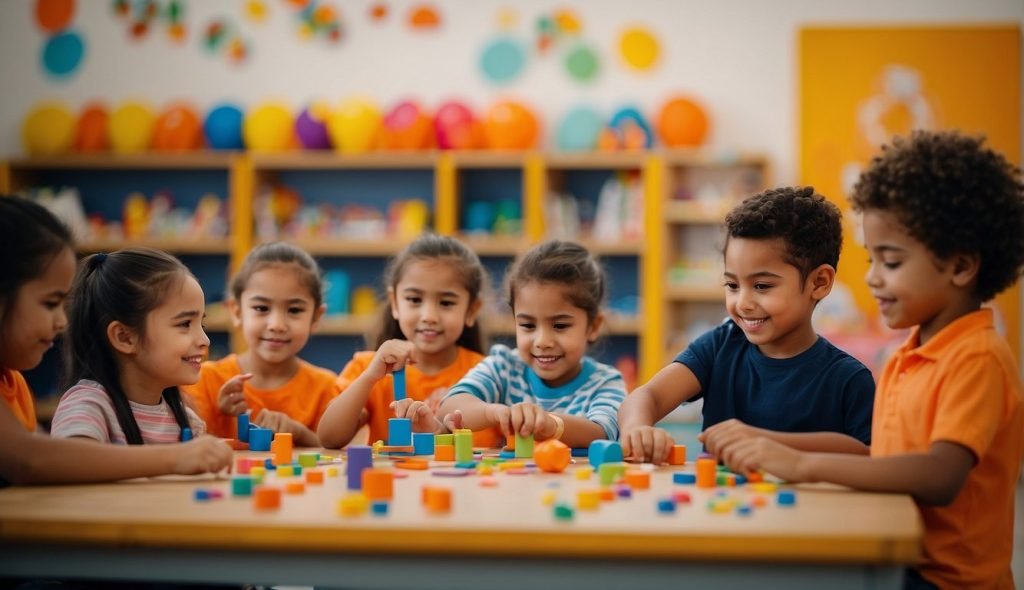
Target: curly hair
{"type": "Point", "coordinates": [955, 196]}
{"type": "Point", "coordinates": [809, 225]}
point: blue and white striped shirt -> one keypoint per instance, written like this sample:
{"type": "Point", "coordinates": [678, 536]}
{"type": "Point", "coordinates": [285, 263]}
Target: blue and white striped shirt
{"type": "Point", "coordinates": [504, 378]}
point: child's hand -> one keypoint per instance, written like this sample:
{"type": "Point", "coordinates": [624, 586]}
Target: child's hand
{"type": "Point", "coordinates": [230, 399]}
{"type": "Point", "coordinates": [452, 422]}
{"type": "Point", "coordinates": [279, 422]}
{"type": "Point", "coordinates": [523, 418]}
{"type": "Point", "coordinates": [206, 454]}
{"type": "Point", "coordinates": [646, 443]}
{"type": "Point", "coordinates": [419, 413]}
{"type": "Point", "coordinates": [721, 436]}
{"type": "Point", "coordinates": [763, 454]}
{"type": "Point", "coordinates": [391, 356]}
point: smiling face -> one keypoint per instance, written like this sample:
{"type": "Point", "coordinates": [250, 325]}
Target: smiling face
{"type": "Point", "coordinates": [35, 317]}
{"type": "Point", "coordinates": [767, 298]}
{"type": "Point", "coordinates": [552, 333]}
{"type": "Point", "coordinates": [276, 313]}
{"type": "Point", "coordinates": [174, 343]}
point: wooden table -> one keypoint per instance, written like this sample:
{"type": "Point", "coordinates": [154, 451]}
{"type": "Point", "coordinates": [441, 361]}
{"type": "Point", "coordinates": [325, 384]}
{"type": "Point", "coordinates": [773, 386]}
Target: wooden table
{"type": "Point", "coordinates": [500, 537]}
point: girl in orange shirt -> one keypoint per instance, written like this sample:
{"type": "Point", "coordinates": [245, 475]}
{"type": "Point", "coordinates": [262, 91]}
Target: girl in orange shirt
{"type": "Point", "coordinates": [429, 327]}
{"type": "Point", "coordinates": [276, 300]}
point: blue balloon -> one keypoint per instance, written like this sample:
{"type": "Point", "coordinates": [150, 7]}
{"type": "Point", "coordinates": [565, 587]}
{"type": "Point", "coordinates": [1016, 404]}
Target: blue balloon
{"type": "Point", "coordinates": [633, 115]}
{"type": "Point", "coordinates": [62, 53]}
{"type": "Point", "coordinates": [579, 130]}
{"type": "Point", "coordinates": [503, 60]}
{"type": "Point", "coordinates": [223, 128]}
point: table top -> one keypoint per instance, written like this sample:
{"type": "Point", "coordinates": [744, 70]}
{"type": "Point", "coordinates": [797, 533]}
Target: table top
{"type": "Point", "coordinates": [828, 524]}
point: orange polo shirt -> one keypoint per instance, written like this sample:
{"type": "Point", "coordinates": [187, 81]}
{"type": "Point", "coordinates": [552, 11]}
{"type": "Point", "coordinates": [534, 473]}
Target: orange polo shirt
{"type": "Point", "coordinates": [304, 398]}
{"type": "Point", "coordinates": [419, 387]}
{"type": "Point", "coordinates": [963, 386]}
{"type": "Point", "coordinates": [18, 397]}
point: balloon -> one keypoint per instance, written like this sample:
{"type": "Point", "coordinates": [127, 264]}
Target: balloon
{"type": "Point", "coordinates": [131, 127]}
{"type": "Point", "coordinates": [682, 123]}
{"type": "Point", "coordinates": [456, 127]}
{"type": "Point", "coordinates": [639, 48]}
{"type": "Point", "coordinates": [54, 15]}
{"type": "Point", "coordinates": [355, 126]}
{"type": "Point", "coordinates": [582, 63]}
{"type": "Point", "coordinates": [178, 129]}
{"type": "Point", "coordinates": [223, 128]}
{"type": "Point", "coordinates": [311, 127]}
{"type": "Point", "coordinates": [502, 60]}
{"type": "Point", "coordinates": [91, 130]}
{"type": "Point", "coordinates": [268, 128]}
{"type": "Point", "coordinates": [62, 53]}
{"type": "Point", "coordinates": [48, 129]}
{"type": "Point", "coordinates": [511, 126]}
{"type": "Point", "coordinates": [579, 130]}
{"type": "Point", "coordinates": [633, 129]}
{"type": "Point", "coordinates": [406, 127]}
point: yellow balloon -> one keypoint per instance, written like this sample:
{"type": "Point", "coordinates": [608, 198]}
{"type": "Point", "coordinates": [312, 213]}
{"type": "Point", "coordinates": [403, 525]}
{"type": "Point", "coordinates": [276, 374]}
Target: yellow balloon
{"type": "Point", "coordinates": [354, 126]}
{"type": "Point", "coordinates": [49, 129]}
{"type": "Point", "coordinates": [640, 48]}
{"type": "Point", "coordinates": [269, 128]}
{"type": "Point", "coordinates": [130, 127]}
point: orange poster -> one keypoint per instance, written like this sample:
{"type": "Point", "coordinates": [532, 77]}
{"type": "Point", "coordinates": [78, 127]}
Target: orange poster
{"type": "Point", "coordinates": [861, 86]}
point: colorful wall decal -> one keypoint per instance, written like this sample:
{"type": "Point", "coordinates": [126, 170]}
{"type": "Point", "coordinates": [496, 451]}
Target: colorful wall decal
{"type": "Point", "coordinates": [581, 62]}
{"type": "Point", "coordinates": [379, 12]}
{"type": "Point", "coordinates": [639, 48]}
{"type": "Point", "coordinates": [424, 17]}
{"type": "Point", "coordinates": [62, 54]}
{"type": "Point", "coordinates": [53, 16]}
{"type": "Point", "coordinates": [256, 11]}
{"type": "Point", "coordinates": [502, 60]}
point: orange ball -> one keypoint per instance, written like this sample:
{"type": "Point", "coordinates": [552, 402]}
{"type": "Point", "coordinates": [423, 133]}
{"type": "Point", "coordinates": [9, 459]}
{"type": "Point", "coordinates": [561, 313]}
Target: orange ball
{"type": "Point", "coordinates": [552, 456]}
{"type": "Point", "coordinates": [91, 130]}
{"type": "Point", "coordinates": [178, 129]}
{"type": "Point", "coordinates": [682, 123]}
{"type": "Point", "coordinates": [511, 126]}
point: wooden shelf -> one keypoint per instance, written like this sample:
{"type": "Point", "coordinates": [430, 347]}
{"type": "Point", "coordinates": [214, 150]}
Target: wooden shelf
{"type": "Point", "coordinates": [485, 245]}
{"type": "Point", "coordinates": [688, 293]}
{"type": "Point", "coordinates": [217, 318]}
{"type": "Point", "coordinates": [708, 159]}
{"type": "Point", "coordinates": [694, 212]}
{"type": "Point", "coordinates": [489, 159]}
{"type": "Point", "coordinates": [208, 246]}
{"type": "Point", "coordinates": [613, 248]}
{"type": "Point", "coordinates": [329, 160]}
{"type": "Point", "coordinates": [198, 160]}
{"type": "Point", "coordinates": [345, 325]}
{"type": "Point", "coordinates": [349, 247]}
{"type": "Point", "coordinates": [632, 160]}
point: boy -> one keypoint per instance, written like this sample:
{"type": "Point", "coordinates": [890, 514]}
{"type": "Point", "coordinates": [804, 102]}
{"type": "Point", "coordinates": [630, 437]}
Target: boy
{"type": "Point", "coordinates": [944, 226]}
{"type": "Point", "coordinates": [765, 369]}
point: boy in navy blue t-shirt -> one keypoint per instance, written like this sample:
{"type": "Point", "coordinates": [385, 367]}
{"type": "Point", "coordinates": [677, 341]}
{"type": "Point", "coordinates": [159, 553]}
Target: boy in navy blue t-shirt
{"type": "Point", "coordinates": [765, 371]}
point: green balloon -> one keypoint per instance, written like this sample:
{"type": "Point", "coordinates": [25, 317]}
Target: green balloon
{"type": "Point", "coordinates": [582, 64]}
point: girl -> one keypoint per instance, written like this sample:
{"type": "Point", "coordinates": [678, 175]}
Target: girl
{"type": "Point", "coordinates": [276, 301]}
{"type": "Point", "coordinates": [38, 259]}
{"type": "Point", "coordinates": [434, 290]}
{"type": "Point", "coordinates": [546, 387]}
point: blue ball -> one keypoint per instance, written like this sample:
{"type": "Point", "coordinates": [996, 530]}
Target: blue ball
{"type": "Point", "coordinates": [223, 128]}
{"type": "Point", "coordinates": [579, 130]}
{"type": "Point", "coordinates": [636, 117]}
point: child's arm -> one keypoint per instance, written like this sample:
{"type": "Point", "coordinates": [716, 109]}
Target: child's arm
{"type": "Point", "coordinates": [648, 404]}
{"type": "Point", "coordinates": [725, 434]}
{"type": "Point", "coordinates": [933, 478]}
{"type": "Point", "coordinates": [346, 414]}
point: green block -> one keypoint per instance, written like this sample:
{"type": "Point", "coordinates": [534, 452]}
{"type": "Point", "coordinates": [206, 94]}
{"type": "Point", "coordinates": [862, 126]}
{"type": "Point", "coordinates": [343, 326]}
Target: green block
{"type": "Point", "coordinates": [444, 439]}
{"type": "Point", "coordinates": [524, 447]}
{"type": "Point", "coordinates": [610, 472]}
{"type": "Point", "coordinates": [563, 512]}
{"type": "Point", "coordinates": [463, 446]}
{"type": "Point", "coordinates": [308, 459]}
{"type": "Point", "coordinates": [241, 485]}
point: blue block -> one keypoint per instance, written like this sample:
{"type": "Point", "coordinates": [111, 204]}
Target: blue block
{"type": "Point", "coordinates": [422, 443]}
{"type": "Point", "coordinates": [744, 510]}
{"type": "Point", "coordinates": [399, 384]}
{"type": "Point", "coordinates": [399, 432]}
{"type": "Point", "coordinates": [186, 434]}
{"type": "Point", "coordinates": [466, 465]}
{"type": "Point", "coordinates": [268, 464]}
{"type": "Point", "coordinates": [581, 452]}
{"type": "Point", "coordinates": [260, 438]}
{"type": "Point", "coordinates": [604, 451]}
{"type": "Point", "coordinates": [686, 479]}
{"type": "Point", "coordinates": [624, 492]}
{"type": "Point", "coordinates": [740, 480]}
{"type": "Point", "coordinates": [786, 498]}
{"type": "Point", "coordinates": [379, 508]}
{"type": "Point", "coordinates": [667, 506]}
{"type": "Point", "coordinates": [201, 495]}
{"type": "Point", "coordinates": [507, 455]}
{"type": "Point", "coordinates": [243, 428]}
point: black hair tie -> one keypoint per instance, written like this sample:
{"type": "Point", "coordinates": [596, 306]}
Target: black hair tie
{"type": "Point", "coordinates": [97, 261]}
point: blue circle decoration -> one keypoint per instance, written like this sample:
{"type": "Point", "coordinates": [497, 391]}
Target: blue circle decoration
{"type": "Point", "coordinates": [223, 128]}
{"type": "Point", "coordinates": [502, 60]}
{"type": "Point", "coordinates": [632, 114]}
{"type": "Point", "coordinates": [62, 54]}
{"type": "Point", "coordinates": [579, 130]}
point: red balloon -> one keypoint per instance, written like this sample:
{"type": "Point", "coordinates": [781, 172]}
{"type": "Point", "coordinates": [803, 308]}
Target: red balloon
{"type": "Point", "coordinates": [406, 127]}
{"type": "Point", "coordinates": [178, 129]}
{"type": "Point", "coordinates": [91, 130]}
{"type": "Point", "coordinates": [457, 128]}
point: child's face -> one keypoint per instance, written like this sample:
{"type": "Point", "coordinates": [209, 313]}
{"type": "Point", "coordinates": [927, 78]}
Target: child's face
{"type": "Point", "coordinates": [766, 297]}
{"type": "Point", "coordinates": [431, 306]}
{"type": "Point", "coordinates": [551, 333]}
{"type": "Point", "coordinates": [911, 285]}
{"type": "Point", "coordinates": [175, 342]}
{"type": "Point", "coordinates": [36, 315]}
{"type": "Point", "coordinates": [277, 313]}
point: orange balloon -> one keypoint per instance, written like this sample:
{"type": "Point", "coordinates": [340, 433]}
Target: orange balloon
{"type": "Point", "coordinates": [511, 126]}
{"type": "Point", "coordinates": [682, 123]}
{"type": "Point", "coordinates": [552, 456]}
{"type": "Point", "coordinates": [178, 129]}
{"type": "Point", "coordinates": [91, 130]}
{"type": "Point", "coordinates": [54, 15]}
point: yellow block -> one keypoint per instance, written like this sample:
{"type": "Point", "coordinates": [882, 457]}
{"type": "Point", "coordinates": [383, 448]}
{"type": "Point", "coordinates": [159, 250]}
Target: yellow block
{"type": "Point", "coordinates": [353, 505]}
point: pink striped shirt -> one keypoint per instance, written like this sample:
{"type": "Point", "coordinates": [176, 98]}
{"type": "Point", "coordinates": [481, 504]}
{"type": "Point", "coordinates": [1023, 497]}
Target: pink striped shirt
{"type": "Point", "coordinates": [86, 410]}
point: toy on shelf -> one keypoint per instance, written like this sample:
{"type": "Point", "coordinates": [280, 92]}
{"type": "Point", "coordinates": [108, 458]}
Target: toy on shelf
{"type": "Point", "coordinates": [682, 122]}
{"type": "Point", "coordinates": [457, 128]}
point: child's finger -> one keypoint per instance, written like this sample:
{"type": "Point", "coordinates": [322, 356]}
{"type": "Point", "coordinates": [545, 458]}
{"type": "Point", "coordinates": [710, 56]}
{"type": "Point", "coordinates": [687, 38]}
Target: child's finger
{"type": "Point", "coordinates": [647, 443]}
{"type": "Point", "coordinates": [662, 444]}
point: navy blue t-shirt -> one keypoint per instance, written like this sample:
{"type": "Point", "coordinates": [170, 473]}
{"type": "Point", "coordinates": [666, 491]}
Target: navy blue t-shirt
{"type": "Point", "coordinates": [820, 389]}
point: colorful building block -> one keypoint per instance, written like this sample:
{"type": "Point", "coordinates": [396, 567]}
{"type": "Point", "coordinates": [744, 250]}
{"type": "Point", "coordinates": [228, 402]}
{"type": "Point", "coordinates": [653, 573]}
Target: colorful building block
{"type": "Point", "coordinates": [285, 470]}
{"type": "Point", "coordinates": [359, 457]}
{"type": "Point", "coordinates": [315, 477]}
{"type": "Point", "coordinates": [378, 484]}
{"type": "Point", "coordinates": [295, 487]}
{"type": "Point", "coordinates": [422, 443]}
{"type": "Point", "coordinates": [242, 426]}
{"type": "Point", "coordinates": [412, 464]}
{"type": "Point", "coordinates": [437, 500]}
{"type": "Point", "coordinates": [588, 499]}
{"type": "Point", "coordinates": [444, 439]}
{"type": "Point", "coordinates": [637, 479]}
{"type": "Point", "coordinates": [609, 473]}
{"type": "Point", "coordinates": [552, 456]}
{"type": "Point", "coordinates": [786, 498]}
{"type": "Point", "coordinates": [584, 473]}
{"type": "Point", "coordinates": [563, 512]}
{"type": "Point", "coordinates": [444, 452]}
{"type": "Point", "coordinates": [282, 448]}
{"type": "Point", "coordinates": [398, 384]}
{"type": "Point", "coordinates": [677, 455]}
{"type": "Point", "coordinates": [524, 446]}
{"type": "Point", "coordinates": [353, 504]}
{"type": "Point", "coordinates": [463, 445]}
{"type": "Point", "coordinates": [604, 451]}
{"type": "Point", "coordinates": [707, 472]}
{"type": "Point", "coordinates": [265, 498]}
{"type": "Point", "coordinates": [624, 492]}
{"type": "Point", "coordinates": [400, 432]}
{"type": "Point", "coordinates": [308, 459]}
{"type": "Point", "coordinates": [260, 438]}
{"type": "Point", "coordinates": [258, 472]}
{"type": "Point", "coordinates": [201, 495]}
{"type": "Point", "coordinates": [379, 508]}
{"type": "Point", "coordinates": [666, 506]}
{"type": "Point", "coordinates": [684, 478]}
{"type": "Point", "coordinates": [241, 485]}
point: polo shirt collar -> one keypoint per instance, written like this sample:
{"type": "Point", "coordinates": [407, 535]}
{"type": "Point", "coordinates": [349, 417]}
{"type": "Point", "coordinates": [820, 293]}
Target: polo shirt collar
{"type": "Point", "coordinates": [982, 319]}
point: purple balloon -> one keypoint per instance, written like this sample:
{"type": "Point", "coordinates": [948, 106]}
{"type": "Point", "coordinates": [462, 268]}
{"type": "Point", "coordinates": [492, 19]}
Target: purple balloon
{"type": "Point", "coordinates": [312, 131]}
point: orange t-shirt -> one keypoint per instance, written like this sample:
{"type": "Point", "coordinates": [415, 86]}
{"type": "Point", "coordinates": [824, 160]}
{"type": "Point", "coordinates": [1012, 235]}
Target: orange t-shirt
{"type": "Point", "coordinates": [304, 398]}
{"type": "Point", "coordinates": [419, 387]}
{"type": "Point", "coordinates": [19, 398]}
{"type": "Point", "coordinates": [962, 386]}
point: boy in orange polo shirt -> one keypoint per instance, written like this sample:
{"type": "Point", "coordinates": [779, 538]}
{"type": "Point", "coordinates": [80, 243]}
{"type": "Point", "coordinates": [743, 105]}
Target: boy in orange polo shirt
{"type": "Point", "coordinates": [944, 225]}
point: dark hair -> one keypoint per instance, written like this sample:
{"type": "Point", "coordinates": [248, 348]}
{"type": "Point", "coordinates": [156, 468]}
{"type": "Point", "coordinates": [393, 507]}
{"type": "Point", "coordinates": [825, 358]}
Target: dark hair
{"type": "Point", "coordinates": [810, 225]}
{"type": "Point", "coordinates": [123, 286]}
{"type": "Point", "coordinates": [955, 196]}
{"type": "Point", "coordinates": [273, 253]}
{"type": "Point", "coordinates": [564, 263]}
{"type": "Point", "coordinates": [30, 239]}
{"type": "Point", "coordinates": [435, 248]}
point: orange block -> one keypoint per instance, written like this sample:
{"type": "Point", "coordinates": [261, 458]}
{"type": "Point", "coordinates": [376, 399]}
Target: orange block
{"type": "Point", "coordinates": [314, 477]}
{"type": "Point", "coordinates": [378, 484]}
{"type": "Point", "coordinates": [414, 464]}
{"type": "Point", "coordinates": [282, 448]}
{"type": "Point", "coordinates": [437, 500]}
{"type": "Point", "coordinates": [607, 494]}
{"type": "Point", "coordinates": [677, 455]}
{"type": "Point", "coordinates": [295, 487]}
{"type": "Point", "coordinates": [638, 480]}
{"type": "Point", "coordinates": [755, 477]}
{"type": "Point", "coordinates": [707, 473]}
{"type": "Point", "coordinates": [266, 498]}
{"type": "Point", "coordinates": [444, 452]}
{"type": "Point", "coordinates": [552, 456]}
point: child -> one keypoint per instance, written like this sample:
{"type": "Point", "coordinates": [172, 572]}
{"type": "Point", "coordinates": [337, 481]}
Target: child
{"type": "Point", "coordinates": [765, 369]}
{"type": "Point", "coordinates": [276, 300]}
{"type": "Point", "coordinates": [547, 387]}
{"type": "Point", "coordinates": [944, 227]}
{"type": "Point", "coordinates": [38, 259]}
{"type": "Point", "coordinates": [434, 290]}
